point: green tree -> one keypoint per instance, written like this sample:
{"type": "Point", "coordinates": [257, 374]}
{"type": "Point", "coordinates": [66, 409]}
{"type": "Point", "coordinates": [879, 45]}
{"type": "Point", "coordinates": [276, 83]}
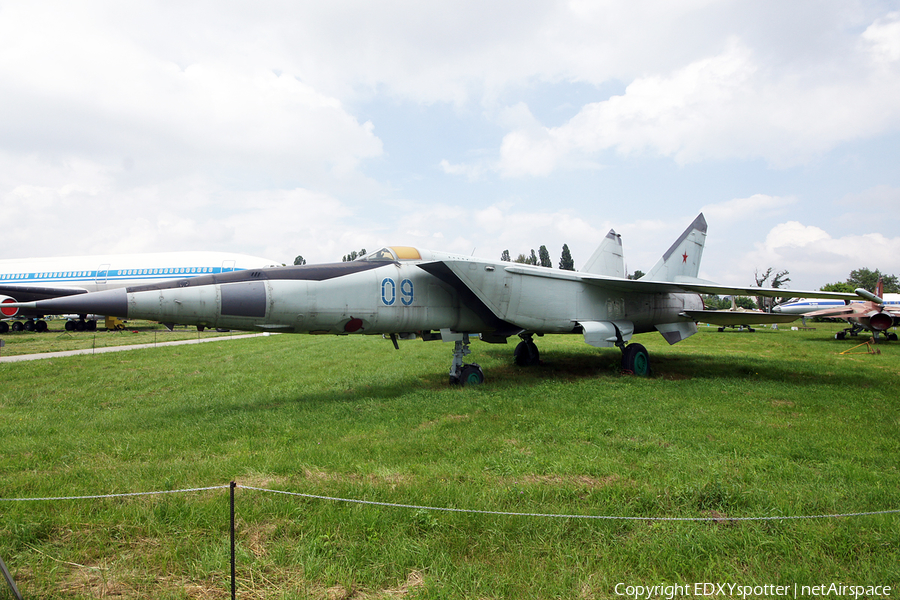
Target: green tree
{"type": "Point", "coordinates": [504, 256]}
{"type": "Point", "coordinates": [711, 302]}
{"type": "Point", "coordinates": [837, 287]}
{"type": "Point", "coordinates": [353, 255]}
{"type": "Point", "coordinates": [299, 261]}
{"type": "Point", "coordinates": [521, 259]}
{"type": "Point", "coordinates": [565, 260]}
{"type": "Point", "coordinates": [868, 280]}
{"type": "Point", "coordinates": [533, 259]}
{"type": "Point", "coordinates": [545, 257]}
{"type": "Point", "coordinates": [636, 275]}
{"type": "Point", "coordinates": [744, 302]}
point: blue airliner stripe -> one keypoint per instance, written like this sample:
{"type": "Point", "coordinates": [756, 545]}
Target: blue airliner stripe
{"type": "Point", "coordinates": [113, 275]}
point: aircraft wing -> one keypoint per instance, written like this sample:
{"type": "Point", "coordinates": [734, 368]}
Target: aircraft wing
{"type": "Point", "coordinates": [738, 317]}
{"type": "Point", "coordinates": [33, 293]}
{"type": "Point", "coordinates": [686, 286]}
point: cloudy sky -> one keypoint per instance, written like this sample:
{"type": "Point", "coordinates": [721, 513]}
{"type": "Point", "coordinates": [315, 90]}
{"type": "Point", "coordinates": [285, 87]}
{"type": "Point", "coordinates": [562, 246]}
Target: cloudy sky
{"type": "Point", "coordinates": [316, 128]}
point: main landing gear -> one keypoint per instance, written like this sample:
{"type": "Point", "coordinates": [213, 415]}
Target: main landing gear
{"type": "Point", "coordinates": [526, 353]}
{"type": "Point", "coordinates": [460, 372]}
{"type": "Point", "coordinates": [855, 329]}
{"type": "Point", "coordinates": [32, 325]}
{"type": "Point", "coordinates": [635, 358]}
{"type": "Point", "coordinates": [81, 324]}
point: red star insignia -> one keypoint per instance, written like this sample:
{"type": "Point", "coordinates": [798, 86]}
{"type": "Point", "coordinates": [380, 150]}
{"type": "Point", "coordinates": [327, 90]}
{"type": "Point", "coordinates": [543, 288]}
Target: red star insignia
{"type": "Point", "coordinates": [684, 257]}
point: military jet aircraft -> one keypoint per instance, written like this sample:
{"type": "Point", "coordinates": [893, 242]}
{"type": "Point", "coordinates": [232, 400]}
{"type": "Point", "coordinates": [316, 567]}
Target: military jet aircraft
{"type": "Point", "coordinates": [404, 292]}
{"type": "Point", "coordinates": [875, 314]}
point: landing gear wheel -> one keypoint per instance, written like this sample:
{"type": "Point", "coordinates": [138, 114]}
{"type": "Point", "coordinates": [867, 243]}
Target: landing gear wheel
{"type": "Point", "coordinates": [70, 325]}
{"type": "Point", "coordinates": [29, 326]}
{"type": "Point", "coordinates": [40, 326]}
{"type": "Point", "coordinates": [4, 327]}
{"type": "Point", "coordinates": [460, 372]}
{"type": "Point", "coordinates": [18, 326]}
{"type": "Point", "coordinates": [840, 335]}
{"type": "Point", "coordinates": [892, 337]}
{"type": "Point", "coordinates": [527, 354]}
{"type": "Point", "coordinates": [471, 375]}
{"type": "Point", "coordinates": [636, 360]}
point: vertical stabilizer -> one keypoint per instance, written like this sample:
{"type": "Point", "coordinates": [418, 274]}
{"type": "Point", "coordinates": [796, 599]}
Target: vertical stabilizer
{"type": "Point", "coordinates": [607, 259]}
{"type": "Point", "coordinates": [682, 260]}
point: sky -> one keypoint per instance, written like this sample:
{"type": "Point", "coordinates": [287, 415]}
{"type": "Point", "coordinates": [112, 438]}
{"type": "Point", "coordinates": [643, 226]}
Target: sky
{"type": "Point", "coordinates": [314, 128]}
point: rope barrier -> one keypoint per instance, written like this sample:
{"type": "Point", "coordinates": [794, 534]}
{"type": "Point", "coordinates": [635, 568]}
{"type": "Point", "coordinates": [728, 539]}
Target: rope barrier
{"type": "Point", "coordinates": [200, 489]}
{"type": "Point", "coordinates": [461, 510]}
{"type": "Point", "coordinates": [560, 516]}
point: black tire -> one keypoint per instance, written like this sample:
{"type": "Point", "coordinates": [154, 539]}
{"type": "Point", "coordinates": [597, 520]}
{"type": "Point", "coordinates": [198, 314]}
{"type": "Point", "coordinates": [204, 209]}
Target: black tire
{"type": "Point", "coordinates": [40, 326]}
{"type": "Point", "coordinates": [18, 326]}
{"type": "Point", "coordinates": [527, 354]}
{"type": "Point", "coordinates": [70, 325]}
{"type": "Point", "coordinates": [840, 335]}
{"type": "Point", "coordinates": [471, 375]}
{"type": "Point", "coordinates": [4, 327]}
{"type": "Point", "coordinates": [636, 360]}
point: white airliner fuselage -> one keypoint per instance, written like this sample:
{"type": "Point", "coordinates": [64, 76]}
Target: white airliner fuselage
{"type": "Point", "coordinates": [801, 306]}
{"type": "Point", "coordinates": [30, 279]}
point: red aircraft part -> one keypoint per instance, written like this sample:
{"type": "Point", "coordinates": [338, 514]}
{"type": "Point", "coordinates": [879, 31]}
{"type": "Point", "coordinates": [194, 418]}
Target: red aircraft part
{"type": "Point", "coordinates": [7, 311]}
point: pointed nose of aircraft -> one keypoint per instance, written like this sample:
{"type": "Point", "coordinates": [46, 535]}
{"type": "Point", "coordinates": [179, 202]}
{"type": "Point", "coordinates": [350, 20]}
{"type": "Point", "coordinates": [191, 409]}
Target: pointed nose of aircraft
{"type": "Point", "coordinates": [113, 303]}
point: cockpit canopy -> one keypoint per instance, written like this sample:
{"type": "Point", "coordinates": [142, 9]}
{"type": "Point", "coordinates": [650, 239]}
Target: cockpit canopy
{"type": "Point", "coordinates": [392, 253]}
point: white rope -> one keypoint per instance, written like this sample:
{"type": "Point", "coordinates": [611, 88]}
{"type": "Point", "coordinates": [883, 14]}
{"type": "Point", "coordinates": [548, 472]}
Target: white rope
{"type": "Point", "coordinates": [202, 489]}
{"type": "Point", "coordinates": [559, 516]}
{"type": "Point", "coordinates": [458, 510]}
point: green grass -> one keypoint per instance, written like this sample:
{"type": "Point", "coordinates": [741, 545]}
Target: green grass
{"type": "Point", "coordinates": [729, 425]}
{"type": "Point", "coordinates": [57, 339]}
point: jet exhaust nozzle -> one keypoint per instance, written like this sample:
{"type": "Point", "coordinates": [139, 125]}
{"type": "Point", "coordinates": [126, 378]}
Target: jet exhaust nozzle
{"type": "Point", "coordinates": [881, 322]}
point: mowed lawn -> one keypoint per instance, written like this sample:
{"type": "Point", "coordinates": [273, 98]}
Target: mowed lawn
{"type": "Point", "coordinates": [729, 425]}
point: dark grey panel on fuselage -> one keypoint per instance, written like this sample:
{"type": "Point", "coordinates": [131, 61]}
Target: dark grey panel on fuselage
{"type": "Point", "coordinates": [246, 299]}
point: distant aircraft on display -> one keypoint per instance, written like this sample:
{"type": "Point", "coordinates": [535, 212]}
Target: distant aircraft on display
{"type": "Point", "coordinates": [407, 292]}
{"type": "Point", "coordinates": [31, 279]}
{"type": "Point", "coordinates": [877, 313]}
{"type": "Point", "coordinates": [744, 317]}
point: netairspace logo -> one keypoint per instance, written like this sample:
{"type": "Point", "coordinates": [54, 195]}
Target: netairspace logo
{"type": "Point", "coordinates": [734, 590]}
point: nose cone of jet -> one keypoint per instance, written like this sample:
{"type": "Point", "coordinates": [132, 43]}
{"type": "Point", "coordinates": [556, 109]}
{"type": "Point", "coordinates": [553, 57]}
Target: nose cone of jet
{"type": "Point", "coordinates": [111, 303]}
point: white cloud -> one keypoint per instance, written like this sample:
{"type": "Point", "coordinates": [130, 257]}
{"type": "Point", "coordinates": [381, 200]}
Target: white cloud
{"type": "Point", "coordinates": [728, 106]}
{"type": "Point", "coordinates": [79, 84]}
{"type": "Point", "coordinates": [755, 207]}
{"type": "Point", "coordinates": [883, 38]}
{"type": "Point", "coordinates": [814, 257]}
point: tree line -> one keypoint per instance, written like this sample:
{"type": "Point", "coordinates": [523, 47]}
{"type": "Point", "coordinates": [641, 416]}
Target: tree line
{"type": "Point", "coordinates": [542, 258]}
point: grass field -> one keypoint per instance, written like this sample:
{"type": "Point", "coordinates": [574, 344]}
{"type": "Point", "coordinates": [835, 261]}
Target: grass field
{"type": "Point", "coordinates": [774, 423]}
{"type": "Point", "coordinates": [57, 339]}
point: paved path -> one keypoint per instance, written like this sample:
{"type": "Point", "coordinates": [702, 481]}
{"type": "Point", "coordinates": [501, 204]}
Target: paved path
{"type": "Point", "coordinates": [22, 357]}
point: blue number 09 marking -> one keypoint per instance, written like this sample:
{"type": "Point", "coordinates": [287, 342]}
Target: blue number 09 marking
{"type": "Point", "coordinates": [389, 292]}
{"type": "Point", "coordinates": [406, 292]}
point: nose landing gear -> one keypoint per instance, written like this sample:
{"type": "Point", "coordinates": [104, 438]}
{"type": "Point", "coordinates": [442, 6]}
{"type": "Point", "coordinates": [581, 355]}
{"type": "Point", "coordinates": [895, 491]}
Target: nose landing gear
{"type": "Point", "coordinates": [460, 372]}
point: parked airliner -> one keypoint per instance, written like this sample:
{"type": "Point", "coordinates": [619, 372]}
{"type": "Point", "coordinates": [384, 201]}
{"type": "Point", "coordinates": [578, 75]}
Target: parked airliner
{"type": "Point", "coordinates": [30, 279]}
